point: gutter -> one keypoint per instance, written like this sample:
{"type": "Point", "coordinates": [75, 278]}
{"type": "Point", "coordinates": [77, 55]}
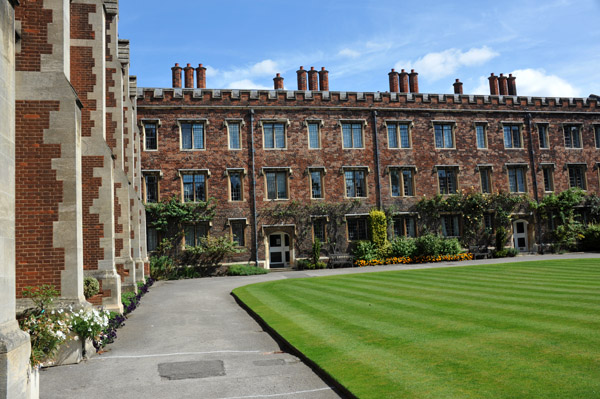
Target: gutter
{"type": "Point", "coordinates": [378, 177]}
{"type": "Point", "coordinates": [254, 211]}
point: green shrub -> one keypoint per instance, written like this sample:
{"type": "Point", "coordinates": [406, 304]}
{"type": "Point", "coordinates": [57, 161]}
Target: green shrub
{"type": "Point", "coordinates": [427, 245]}
{"type": "Point", "coordinates": [303, 264]}
{"type": "Point", "coordinates": [449, 246]}
{"type": "Point", "coordinates": [161, 267]}
{"type": "Point", "coordinates": [402, 246]}
{"type": "Point", "coordinates": [320, 265]}
{"type": "Point", "coordinates": [378, 228]}
{"type": "Point", "coordinates": [501, 237]}
{"type": "Point", "coordinates": [91, 287]}
{"type": "Point", "coordinates": [385, 251]}
{"type": "Point", "coordinates": [591, 240]}
{"type": "Point", "coordinates": [316, 251]}
{"type": "Point", "coordinates": [365, 250]}
{"type": "Point", "coordinates": [245, 270]}
{"type": "Point", "coordinates": [506, 252]}
{"type": "Point", "coordinates": [127, 298]}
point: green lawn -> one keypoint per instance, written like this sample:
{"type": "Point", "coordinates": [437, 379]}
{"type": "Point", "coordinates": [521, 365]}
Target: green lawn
{"type": "Point", "coordinates": [518, 330]}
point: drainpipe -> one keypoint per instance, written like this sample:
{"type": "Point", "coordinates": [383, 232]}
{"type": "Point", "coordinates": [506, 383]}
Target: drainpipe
{"type": "Point", "coordinates": [378, 178]}
{"type": "Point", "coordinates": [538, 232]}
{"type": "Point", "coordinates": [254, 211]}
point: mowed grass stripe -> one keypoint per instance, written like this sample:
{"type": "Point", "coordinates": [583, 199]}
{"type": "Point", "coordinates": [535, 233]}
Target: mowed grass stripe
{"type": "Point", "coordinates": [408, 344]}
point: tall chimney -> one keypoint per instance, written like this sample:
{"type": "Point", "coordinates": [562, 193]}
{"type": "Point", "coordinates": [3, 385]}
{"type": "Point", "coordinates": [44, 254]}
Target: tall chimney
{"type": "Point", "coordinates": [201, 77]}
{"type": "Point", "coordinates": [493, 84]}
{"type": "Point", "coordinates": [188, 72]}
{"type": "Point", "coordinates": [301, 78]}
{"type": "Point", "coordinates": [403, 81]}
{"type": "Point", "coordinates": [176, 75]}
{"type": "Point", "coordinates": [512, 85]}
{"type": "Point", "coordinates": [458, 87]}
{"type": "Point", "coordinates": [323, 79]}
{"type": "Point", "coordinates": [503, 85]}
{"type": "Point", "coordinates": [313, 79]}
{"type": "Point", "coordinates": [278, 82]}
{"type": "Point", "coordinates": [413, 81]}
{"type": "Point", "coordinates": [394, 81]}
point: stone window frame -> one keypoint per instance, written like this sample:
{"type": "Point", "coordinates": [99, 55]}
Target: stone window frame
{"type": "Point", "coordinates": [276, 169]}
{"type": "Point", "coordinates": [524, 167]}
{"type": "Point", "coordinates": [285, 122]}
{"type": "Point", "coordinates": [151, 172]}
{"type": "Point", "coordinates": [205, 172]}
{"type": "Point", "coordinates": [456, 223]}
{"type": "Point", "coordinates": [485, 168]}
{"type": "Point", "coordinates": [413, 168]}
{"type": "Point", "coordinates": [320, 124]}
{"type": "Point", "coordinates": [518, 124]}
{"type": "Point", "coordinates": [234, 121]}
{"type": "Point", "coordinates": [324, 219]}
{"type": "Point", "coordinates": [357, 217]}
{"type": "Point", "coordinates": [151, 234]}
{"type": "Point", "coordinates": [206, 225]}
{"type": "Point", "coordinates": [546, 125]}
{"type": "Point", "coordinates": [544, 167]}
{"type": "Point", "coordinates": [442, 122]}
{"type": "Point", "coordinates": [580, 166]}
{"type": "Point", "coordinates": [364, 169]}
{"type": "Point", "coordinates": [231, 223]}
{"type": "Point", "coordinates": [579, 127]}
{"type": "Point", "coordinates": [227, 174]}
{"type": "Point", "coordinates": [202, 121]}
{"type": "Point", "coordinates": [404, 217]}
{"type": "Point", "coordinates": [596, 130]}
{"type": "Point", "coordinates": [142, 125]}
{"type": "Point", "coordinates": [322, 171]}
{"type": "Point", "coordinates": [456, 168]}
{"type": "Point", "coordinates": [484, 126]}
{"type": "Point", "coordinates": [362, 122]}
{"type": "Point", "coordinates": [399, 122]}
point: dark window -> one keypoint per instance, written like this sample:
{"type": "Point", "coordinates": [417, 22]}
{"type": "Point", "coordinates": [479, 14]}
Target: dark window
{"type": "Point", "coordinates": [402, 182]}
{"type": "Point", "coordinates": [151, 239]}
{"type": "Point", "coordinates": [450, 226]}
{"type": "Point", "coordinates": [316, 184]}
{"type": "Point", "coordinates": [151, 188]}
{"type": "Point", "coordinates": [398, 135]}
{"type": "Point", "coordinates": [319, 229]}
{"type": "Point", "coordinates": [313, 136]}
{"type": "Point", "coordinates": [352, 133]}
{"type": "Point", "coordinates": [192, 136]}
{"type": "Point", "coordinates": [237, 232]}
{"type": "Point", "coordinates": [234, 136]}
{"type": "Point", "coordinates": [486, 181]}
{"type": "Point", "coordinates": [481, 137]}
{"type": "Point", "coordinates": [276, 185]}
{"type": "Point", "coordinates": [151, 141]}
{"type": "Point", "coordinates": [404, 226]}
{"type": "Point", "coordinates": [543, 133]}
{"type": "Point", "coordinates": [235, 185]}
{"type": "Point", "coordinates": [516, 179]}
{"type": "Point", "coordinates": [548, 179]}
{"type": "Point", "coordinates": [512, 136]}
{"type": "Point", "coordinates": [356, 185]}
{"type": "Point", "coordinates": [597, 135]}
{"type": "Point", "coordinates": [577, 176]}
{"type": "Point", "coordinates": [447, 180]}
{"type": "Point", "coordinates": [572, 136]}
{"type": "Point", "coordinates": [444, 136]}
{"type": "Point", "coordinates": [194, 187]}
{"type": "Point", "coordinates": [488, 223]}
{"type": "Point", "coordinates": [357, 229]}
{"type": "Point", "coordinates": [194, 233]}
{"type": "Point", "coordinates": [274, 135]}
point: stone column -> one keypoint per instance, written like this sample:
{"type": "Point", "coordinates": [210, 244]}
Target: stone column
{"type": "Point", "coordinates": [14, 343]}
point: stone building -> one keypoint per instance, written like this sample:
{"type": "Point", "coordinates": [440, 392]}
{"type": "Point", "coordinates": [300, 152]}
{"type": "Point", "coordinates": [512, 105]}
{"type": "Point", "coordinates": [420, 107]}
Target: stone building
{"type": "Point", "coordinates": [282, 164]}
{"type": "Point", "coordinates": [72, 183]}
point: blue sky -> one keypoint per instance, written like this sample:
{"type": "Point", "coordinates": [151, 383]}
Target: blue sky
{"type": "Point", "coordinates": [552, 47]}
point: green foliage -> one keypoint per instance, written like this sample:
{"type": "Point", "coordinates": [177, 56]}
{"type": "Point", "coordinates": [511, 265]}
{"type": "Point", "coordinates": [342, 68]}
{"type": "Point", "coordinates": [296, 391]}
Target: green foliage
{"type": "Point", "coordinates": [161, 267]}
{"type": "Point", "coordinates": [378, 227]}
{"type": "Point", "coordinates": [501, 237]}
{"type": "Point", "coordinates": [567, 235]}
{"type": "Point", "coordinates": [591, 240]}
{"type": "Point", "coordinates": [88, 324]}
{"type": "Point", "coordinates": [561, 208]}
{"type": "Point", "coordinates": [245, 270]}
{"type": "Point", "coordinates": [127, 298]}
{"type": "Point", "coordinates": [505, 252]}
{"type": "Point", "coordinates": [365, 250]}
{"type": "Point", "coordinates": [449, 246]}
{"type": "Point", "coordinates": [210, 252]}
{"type": "Point", "coordinates": [403, 246]}
{"type": "Point", "coordinates": [427, 245]}
{"type": "Point", "coordinates": [91, 287]}
{"type": "Point", "coordinates": [316, 251]}
{"type": "Point", "coordinates": [305, 264]}
{"type": "Point", "coordinates": [42, 296]}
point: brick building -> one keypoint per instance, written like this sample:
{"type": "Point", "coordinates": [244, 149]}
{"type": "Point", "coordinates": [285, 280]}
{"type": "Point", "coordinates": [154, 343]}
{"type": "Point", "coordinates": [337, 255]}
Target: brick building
{"type": "Point", "coordinates": [279, 161]}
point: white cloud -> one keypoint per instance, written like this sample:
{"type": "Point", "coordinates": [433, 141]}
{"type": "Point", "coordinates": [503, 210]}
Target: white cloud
{"type": "Point", "coordinates": [266, 67]}
{"type": "Point", "coordinates": [349, 53]}
{"type": "Point", "coordinates": [434, 66]}
{"type": "Point", "coordinates": [535, 82]}
{"type": "Point", "coordinates": [247, 84]}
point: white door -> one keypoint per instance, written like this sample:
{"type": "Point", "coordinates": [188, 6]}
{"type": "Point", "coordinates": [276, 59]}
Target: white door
{"type": "Point", "coordinates": [520, 235]}
{"type": "Point", "coordinates": [279, 250]}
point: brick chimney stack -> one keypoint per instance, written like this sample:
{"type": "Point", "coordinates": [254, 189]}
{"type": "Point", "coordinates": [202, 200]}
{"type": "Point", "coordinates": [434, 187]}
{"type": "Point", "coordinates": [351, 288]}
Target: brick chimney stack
{"type": "Point", "coordinates": [176, 75]}
{"type": "Point", "coordinates": [403, 81]}
{"type": "Point", "coordinates": [413, 81]}
{"type": "Point", "coordinates": [278, 82]}
{"type": "Point", "coordinates": [493, 85]}
{"type": "Point", "coordinates": [301, 78]}
{"type": "Point", "coordinates": [458, 87]}
{"type": "Point", "coordinates": [512, 85]}
{"type": "Point", "coordinates": [201, 77]}
{"type": "Point", "coordinates": [394, 81]}
{"type": "Point", "coordinates": [188, 73]}
{"type": "Point", "coordinates": [323, 79]}
{"type": "Point", "coordinates": [503, 85]}
{"type": "Point", "coordinates": [313, 79]}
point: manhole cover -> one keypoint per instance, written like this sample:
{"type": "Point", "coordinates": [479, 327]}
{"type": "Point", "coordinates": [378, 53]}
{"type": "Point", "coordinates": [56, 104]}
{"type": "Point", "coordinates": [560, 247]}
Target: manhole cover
{"type": "Point", "coordinates": [187, 370]}
{"type": "Point", "coordinates": [270, 362]}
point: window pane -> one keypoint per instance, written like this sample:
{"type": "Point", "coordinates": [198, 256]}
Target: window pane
{"type": "Point", "coordinates": [151, 188]}
{"type": "Point", "coordinates": [188, 188]}
{"type": "Point", "coordinates": [398, 227]}
{"type": "Point", "coordinates": [150, 131]}
{"type": "Point", "coordinates": [507, 137]}
{"type": "Point", "coordinates": [407, 178]}
{"type": "Point", "coordinates": [186, 136]}
{"type": "Point", "coordinates": [548, 186]}
{"type": "Point", "coordinates": [521, 180]}
{"type": "Point", "coordinates": [597, 134]}
{"type": "Point", "coordinates": [395, 180]}
{"type": "Point", "coordinates": [313, 135]}
{"type": "Point", "coordinates": [279, 135]}
{"type": "Point", "coordinates": [269, 141]}
{"type": "Point", "coordinates": [512, 180]}
{"type": "Point", "coordinates": [439, 138]}
{"type": "Point", "coordinates": [281, 185]}
{"type": "Point", "coordinates": [319, 229]}
{"type": "Point", "coordinates": [234, 136]}
{"type": "Point", "coordinates": [442, 181]}
{"type": "Point", "coordinates": [576, 140]}
{"type": "Point", "coordinates": [392, 136]}
{"type": "Point", "coordinates": [480, 136]}
{"type": "Point", "coordinates": [361, 189]}
{"type": "Point", "coordinates": [200, 183]}
{"type": "Point", "coordinates": [237, 231]}
{"type": "Point", "coordinates": [316, 184]}
{"type": "Point", "coordinates": [349, 175]}
{"type": "Point", "coordinates": [543, 132]}
{"type": "Point", "coordinates": [151, 239]}
{"type": "Point", "coordinates": [411, 231]}
{"type": "Point", "coordinates": [404, 140]}
{"type": "Point", "coordinates": [271, 186]}
{"type": "Point", "coordinates": [201, 231]}
{"type": "Point", "coordinates": [236, 186]}
{"type": "Point", "coordinates": [448, 142]}
{"type": "Point", "coordinates": [357, 135]}
{"type": "Point", "coordinates": [485, 181]}
{"type": "Point", "coordinates": [190, 240]}
{"type": "Point", "coordinates": [198, 130]}
{"type": "Point", "coordinates": [347, 133]}
{"type": "Point", "coordinates": [516, 137]}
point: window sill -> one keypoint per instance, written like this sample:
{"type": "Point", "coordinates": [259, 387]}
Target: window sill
{"type": "Point", "coordinates": [192, 149]}
{"type": "Point", "coordinates": [235, 149]}
{"type": "Point", "coordinates": [275, 149]}
{"type": "Point", "coordinates": [445, 148]}
{"type": "Point", "coordinates": [400, 148]}
{"type": "Point", "coordinates": [154, 150]}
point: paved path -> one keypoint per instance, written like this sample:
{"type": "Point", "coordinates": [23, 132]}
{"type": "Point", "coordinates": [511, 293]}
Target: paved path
{"type": "Point", "coordinates": [189, 339]}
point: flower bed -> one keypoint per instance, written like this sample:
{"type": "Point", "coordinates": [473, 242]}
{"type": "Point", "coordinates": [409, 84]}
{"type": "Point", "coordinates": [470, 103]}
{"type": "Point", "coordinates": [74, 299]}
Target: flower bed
{"type": "Point", "coordinates": [415, 259]}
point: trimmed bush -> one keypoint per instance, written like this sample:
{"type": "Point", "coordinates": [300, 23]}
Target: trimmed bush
{"type": "Point", "coordinates": [427, 245]}
{"type": "Point", "coordinates": [245, 270]}
{"type": "Point", "coordinates": [402, 246]}
{"type": "Point", "coordinates": [378, 228]}
{"type": "Point", "coordinates": [91, 287]}
{"type": "Point", "coordinates": [506, 252]}
{"type": "Point", "coordinates": [365, 250]}
{"type": "Point", "coordinates": [305, 264]}
{"type": "Point", "coordinates": [449, 246]}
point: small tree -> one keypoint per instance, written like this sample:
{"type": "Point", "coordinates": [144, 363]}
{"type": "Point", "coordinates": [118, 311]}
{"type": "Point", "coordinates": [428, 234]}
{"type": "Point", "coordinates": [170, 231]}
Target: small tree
{"type": "Point", "coordinates": [378, 228]}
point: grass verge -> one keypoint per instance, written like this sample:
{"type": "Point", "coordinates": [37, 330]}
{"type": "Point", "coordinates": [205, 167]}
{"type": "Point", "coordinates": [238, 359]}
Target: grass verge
{"type": "Point", "coordinates": [519, 330]}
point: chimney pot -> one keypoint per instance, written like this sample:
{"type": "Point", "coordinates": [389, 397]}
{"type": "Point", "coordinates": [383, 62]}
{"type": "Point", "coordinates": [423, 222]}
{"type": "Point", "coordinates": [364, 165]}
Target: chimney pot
{"type": "Point", "coordinates": [512, 85]}
{"type": "Point", "coordinates": [404, 86]}
{"type": "Point", "coordinates": [176, 75]}
{"type": "Point", "coordinates": [494, 88]}
{"type": "Point", "coordinates": [278, 82]}
{"type": "Point", "coordinates": [188, 73]}
{"type": "Point", "coordinates": [313, 79]}
{"type": "Point", "coordinates": [301, 78]}
{"type": "Point", "coordinates": [323, 79]}
{"type": "Point", "coordinates": [201, 77]}
{"type": "Point", "coordinates": [458, 87]}
{"type": "Point", "coordinates": [394, 81]}
{"type": "Point", "coordinates": [503, 85]}
{"type": "Point", "coordinates": [413, 81]}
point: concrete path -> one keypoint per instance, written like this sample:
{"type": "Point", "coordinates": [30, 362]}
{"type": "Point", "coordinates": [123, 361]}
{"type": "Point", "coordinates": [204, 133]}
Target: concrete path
{"type": "Point", "coordinates": [189, 339]}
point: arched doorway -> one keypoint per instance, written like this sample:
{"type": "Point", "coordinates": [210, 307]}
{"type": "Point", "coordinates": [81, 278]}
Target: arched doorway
{"type": "Point", "coordinates": [279, 250]}
{"type": "Point", "coordinates": [520, 235]}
